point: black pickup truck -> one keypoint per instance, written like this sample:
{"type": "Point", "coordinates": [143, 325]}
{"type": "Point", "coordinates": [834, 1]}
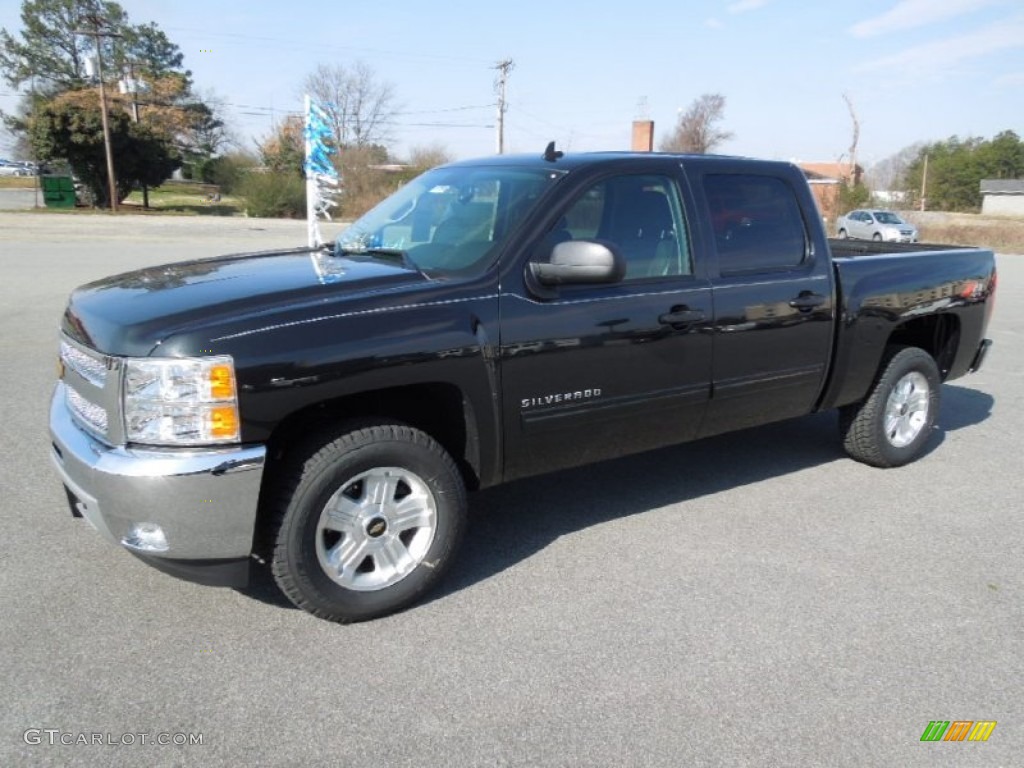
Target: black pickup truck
{"type": "Point", "coordinates": [326, 409]}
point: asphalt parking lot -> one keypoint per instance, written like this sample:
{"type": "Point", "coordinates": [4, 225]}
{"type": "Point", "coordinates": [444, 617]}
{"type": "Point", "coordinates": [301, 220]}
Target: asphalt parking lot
{"type": "Point", "coordinates": [756, 599]}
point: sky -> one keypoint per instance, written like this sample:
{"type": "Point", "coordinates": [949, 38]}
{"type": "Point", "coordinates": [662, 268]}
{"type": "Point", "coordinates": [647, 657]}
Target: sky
{"type": "Point", "coordinates": [914, 70]}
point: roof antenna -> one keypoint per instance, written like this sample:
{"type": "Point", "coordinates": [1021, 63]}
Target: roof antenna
{"type": "Point", "coordinates": [551, 154]}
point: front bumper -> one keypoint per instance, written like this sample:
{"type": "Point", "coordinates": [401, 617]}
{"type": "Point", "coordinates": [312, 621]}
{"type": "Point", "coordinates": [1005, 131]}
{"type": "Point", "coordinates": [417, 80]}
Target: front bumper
{"type": "Point", "coordinates": [980, 355]}
{"type": "Point", "coordinates": [202, 501]}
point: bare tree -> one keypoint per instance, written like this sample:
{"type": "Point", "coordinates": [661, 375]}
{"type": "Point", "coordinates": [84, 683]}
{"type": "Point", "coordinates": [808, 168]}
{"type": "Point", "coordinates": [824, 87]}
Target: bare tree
{"type": "Point", "coordinates": [854, 140]}
{"type": "Point", "coordinates": [890, 173]}
{"type": "Point", "coordinates": [423, 158]}
{"type": "Point", "coordinates": [697, 131]}
{"type": "Point", "coordinates": [359, 105]}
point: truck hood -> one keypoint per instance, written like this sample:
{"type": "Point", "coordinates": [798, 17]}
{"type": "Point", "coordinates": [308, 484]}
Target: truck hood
{"type": "Point", "coordinates": [131, 313]}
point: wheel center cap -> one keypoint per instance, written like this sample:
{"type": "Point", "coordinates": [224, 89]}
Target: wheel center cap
{"type": "Point", "coordinates": [376, 527]}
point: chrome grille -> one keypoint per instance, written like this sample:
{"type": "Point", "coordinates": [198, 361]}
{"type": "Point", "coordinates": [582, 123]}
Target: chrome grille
{"type": "Point", "coordinates": [91, 414]}
{"type": "Point", "coordinates": [92, 369]}
{"type": "Point", "coordinates": [93, 387]}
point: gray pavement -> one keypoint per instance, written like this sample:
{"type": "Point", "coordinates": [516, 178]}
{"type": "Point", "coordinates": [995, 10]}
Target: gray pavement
{"type": "Point", "coordinates": [755, 599]}
{"type": "Point", "coordinates": [18, 199]}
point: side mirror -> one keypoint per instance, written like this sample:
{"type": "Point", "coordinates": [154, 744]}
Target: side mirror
{"type": "Point", "coordinates": [579, 262]}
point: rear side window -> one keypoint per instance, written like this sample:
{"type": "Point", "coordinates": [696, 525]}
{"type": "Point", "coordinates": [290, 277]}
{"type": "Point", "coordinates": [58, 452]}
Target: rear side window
{"type": "Point", "coordinates": [756, 222]}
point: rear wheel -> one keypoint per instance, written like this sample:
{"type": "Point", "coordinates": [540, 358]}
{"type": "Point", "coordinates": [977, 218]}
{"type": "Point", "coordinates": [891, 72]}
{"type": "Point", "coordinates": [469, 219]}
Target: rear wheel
{"type": "Point", "coordinates": [891, 427]}
{"type": "Point", "coordinates": [367, 523]}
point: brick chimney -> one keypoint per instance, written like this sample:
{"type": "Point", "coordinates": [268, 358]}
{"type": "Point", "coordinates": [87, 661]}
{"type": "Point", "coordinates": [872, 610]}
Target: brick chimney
{"type": "Point", "coordinates": [643, 135]}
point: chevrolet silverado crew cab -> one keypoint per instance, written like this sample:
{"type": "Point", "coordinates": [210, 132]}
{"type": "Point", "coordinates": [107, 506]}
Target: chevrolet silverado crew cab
{"type": "Point", "coordinates": [325, 410]}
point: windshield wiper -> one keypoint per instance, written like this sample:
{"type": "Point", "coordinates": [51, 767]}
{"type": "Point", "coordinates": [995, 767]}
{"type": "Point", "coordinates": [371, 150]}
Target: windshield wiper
{"type": "Point", "coordinates": [394, 255]}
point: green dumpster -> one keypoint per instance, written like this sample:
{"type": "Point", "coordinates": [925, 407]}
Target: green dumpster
{"type": "Point", "coordinates": [58, 191]}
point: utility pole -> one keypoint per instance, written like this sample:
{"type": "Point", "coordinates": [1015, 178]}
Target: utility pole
{"type": "Point", "coordinates": [504, 68]}
{"type": "Point", "coordinates": [132, 87]}
{"type": "Point", "coordinates": [924, 181]}
{"type": "Point", "coordinates": [35, 154]}
{"type": "Point", "coordinates": [96, 34]}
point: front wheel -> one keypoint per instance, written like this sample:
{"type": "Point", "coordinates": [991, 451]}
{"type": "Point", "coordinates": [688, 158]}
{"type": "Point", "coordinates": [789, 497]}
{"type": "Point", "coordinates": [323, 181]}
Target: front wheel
{"type": "Point", "coordinates": [842, 234]}
{"type": "Point", "coordinates": [367, 523]}
{"type": "Point", "coordinates": [877, 237]}
{"type": "Point", "coordinates": [890, 428]}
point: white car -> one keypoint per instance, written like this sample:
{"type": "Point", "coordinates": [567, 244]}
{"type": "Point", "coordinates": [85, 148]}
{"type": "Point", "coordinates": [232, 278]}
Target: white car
{"type": "Point", "coordinates": [14, 169]}
{"type": "Point", "coordinates": [876, 225]}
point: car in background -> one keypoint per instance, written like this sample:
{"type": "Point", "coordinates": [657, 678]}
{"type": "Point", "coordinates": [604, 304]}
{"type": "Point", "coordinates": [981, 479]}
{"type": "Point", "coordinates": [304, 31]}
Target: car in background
{"type": "Point", "coordinates": [875, 225]}
{"type": "Point", "coordinates": [9, 168]}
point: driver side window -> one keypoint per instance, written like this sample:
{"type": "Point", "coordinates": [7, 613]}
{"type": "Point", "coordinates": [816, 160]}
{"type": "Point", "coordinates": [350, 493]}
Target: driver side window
{"type": "Point", "coordinates": [640, 215]}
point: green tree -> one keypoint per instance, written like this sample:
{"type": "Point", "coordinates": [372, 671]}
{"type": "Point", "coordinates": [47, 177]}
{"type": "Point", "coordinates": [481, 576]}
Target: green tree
{"type": "Point", "coordinates": [956, 167]}
{"type": "Point", "coordinates": [284, 150]}
{"type": "Point", "coordinates": [146, 48]}
{"type": "Point", "coordinates": [69, 128]}
{"type": "Point", "coordinates": [50, 52]}
{"type": "Point", "coordinates": [852, 196]}
{"type": "Point", "coordinates": [50, 48]}
{"type": "Point", "coordinates": [1002, 157]}
{"type": "Point", "coordinates": [202, 140]}
{"type": "Point", "coordinates": [230, 169]}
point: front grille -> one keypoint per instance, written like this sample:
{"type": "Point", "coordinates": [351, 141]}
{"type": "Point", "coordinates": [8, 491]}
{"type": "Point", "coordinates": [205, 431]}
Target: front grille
{"type": "Point", "coordinates": [91, 369]}
{"type": "Point", "coordinates": [93, 382]}
{"type": "Point", "coordinates": [92, 415]}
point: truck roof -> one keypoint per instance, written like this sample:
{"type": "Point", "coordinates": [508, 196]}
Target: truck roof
{"type": "Point", "coordinates": [576, 160]}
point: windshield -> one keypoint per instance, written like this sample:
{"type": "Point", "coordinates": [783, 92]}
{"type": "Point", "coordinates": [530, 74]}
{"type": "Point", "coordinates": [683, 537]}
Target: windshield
{"type": "Point", "coordinates": [449, 220]}
{"type": "Point", "coordinates": [884, 217]}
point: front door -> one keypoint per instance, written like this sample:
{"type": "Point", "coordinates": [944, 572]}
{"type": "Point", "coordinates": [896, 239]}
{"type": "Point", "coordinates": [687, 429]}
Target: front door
{"type": "Point", "coordinates": [593, 372]}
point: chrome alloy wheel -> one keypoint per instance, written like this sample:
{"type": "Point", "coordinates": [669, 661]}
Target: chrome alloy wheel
{"type": "Point", "coordinates": [376, 529]}
{"type": "Point", "coordinates": [906, 410]}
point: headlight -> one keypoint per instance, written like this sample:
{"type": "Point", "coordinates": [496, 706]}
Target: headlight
{"type": "Point", "coordinates": [183, 401]}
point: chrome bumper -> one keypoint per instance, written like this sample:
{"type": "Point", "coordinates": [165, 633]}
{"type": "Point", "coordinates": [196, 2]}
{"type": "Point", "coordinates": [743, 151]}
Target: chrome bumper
{"type": "Point", "coordinates": [203, 500]}
{"type": "Point", "coordinates": [979, 356]}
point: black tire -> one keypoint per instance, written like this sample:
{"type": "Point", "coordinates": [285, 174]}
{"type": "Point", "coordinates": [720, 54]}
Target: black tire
{"type": "Point", "coordinates": [863, 426]}
{"type": "Point", "coordinates": [353, 463]}
{"type": "Point", "coordinates": [842, 234]}
{"type": "Point", "coordinates": [877, 237]}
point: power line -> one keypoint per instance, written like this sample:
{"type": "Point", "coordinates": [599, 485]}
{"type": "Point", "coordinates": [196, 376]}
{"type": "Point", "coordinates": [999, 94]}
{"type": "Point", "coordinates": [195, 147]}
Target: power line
{"type": "Point", "coordinates": [305, 45]}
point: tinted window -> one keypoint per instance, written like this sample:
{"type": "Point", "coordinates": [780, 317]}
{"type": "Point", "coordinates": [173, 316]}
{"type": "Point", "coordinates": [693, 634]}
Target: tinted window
{"type": "Point", "coordinates": [639, 214]}
{"type": "Point", "coordinates": [757, 223]}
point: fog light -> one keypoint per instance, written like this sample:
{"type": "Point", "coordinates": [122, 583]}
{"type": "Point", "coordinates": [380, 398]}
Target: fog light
{"type": "Point", "coordinates": [146, 537]}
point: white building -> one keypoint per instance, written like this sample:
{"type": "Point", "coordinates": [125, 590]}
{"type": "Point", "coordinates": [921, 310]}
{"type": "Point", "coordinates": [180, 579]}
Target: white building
{"type": "Point", "coordinates": [1002, 197]}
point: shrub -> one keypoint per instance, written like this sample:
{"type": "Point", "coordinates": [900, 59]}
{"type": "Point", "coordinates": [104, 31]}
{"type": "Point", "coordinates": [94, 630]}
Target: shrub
{"type": "Point", "coordinates": [273, 195]}
{"type": "Point", "coordinates": [228, 171]}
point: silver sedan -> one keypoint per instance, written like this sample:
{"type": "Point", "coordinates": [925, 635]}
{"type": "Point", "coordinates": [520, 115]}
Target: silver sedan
{"type": "Point", "coordinates": [876, 225]}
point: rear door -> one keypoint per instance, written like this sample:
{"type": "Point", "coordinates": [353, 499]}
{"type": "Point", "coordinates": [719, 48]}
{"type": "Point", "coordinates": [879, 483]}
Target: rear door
{"type": "Point", "coordinates": [773, 295]}
{"type": "Point", "coordinates": [597, 371]}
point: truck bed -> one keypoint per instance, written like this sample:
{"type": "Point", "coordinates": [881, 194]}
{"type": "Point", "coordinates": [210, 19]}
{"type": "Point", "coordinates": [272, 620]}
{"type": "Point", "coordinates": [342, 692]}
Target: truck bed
{"type": "Point", "coordinates": [853, 248]}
